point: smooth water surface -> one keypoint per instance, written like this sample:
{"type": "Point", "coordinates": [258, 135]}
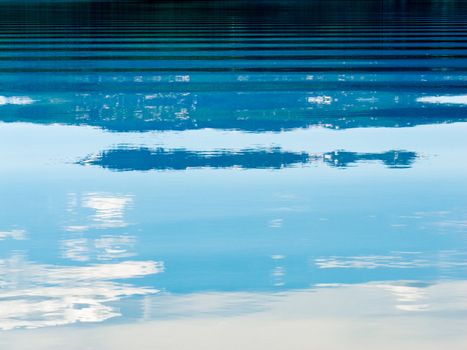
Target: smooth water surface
{"type": "Point", "coordinates": [244, 175]}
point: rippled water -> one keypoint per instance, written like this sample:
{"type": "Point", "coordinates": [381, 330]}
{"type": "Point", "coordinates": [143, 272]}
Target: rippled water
{"type": "Point", "coordinates": [259, 175]}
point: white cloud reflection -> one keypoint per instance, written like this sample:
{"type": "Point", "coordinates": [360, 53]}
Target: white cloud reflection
{"type": "Point", "coordinates": [372, 299]}
{"type": "Point", "coordinates": [108, 210]}
{"type": "Point", "coordinates": [104, 248]}
{"type": "Point", "coordinates": [37, 295]}
{"type": "Point", "coordinates": [409, 297]}
{"type": "Point", "coordinates": [344, 317]}
{"type": "Point", "coordinates": [275, 223]}
{"type": "Point", "coordinates": [445, 259]}
{"type": "Point", "coordinates": [402, 261]}
{"type": "Point", "coordinates": [17, 235]}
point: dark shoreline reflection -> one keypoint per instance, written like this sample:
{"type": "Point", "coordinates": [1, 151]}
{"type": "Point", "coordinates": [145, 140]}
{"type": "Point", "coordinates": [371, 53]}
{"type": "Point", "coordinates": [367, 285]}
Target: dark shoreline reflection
{"type": "Point", "coordinates": [266, 65]}
{"type": "Point", "coordinates": [145, 159]}
{"type": "Point", "coordinates": [247, 111]}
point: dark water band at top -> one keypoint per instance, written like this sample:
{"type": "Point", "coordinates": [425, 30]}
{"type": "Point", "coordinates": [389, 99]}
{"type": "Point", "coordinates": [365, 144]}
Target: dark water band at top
{"type": "Point", "coordinates": [255, 66]}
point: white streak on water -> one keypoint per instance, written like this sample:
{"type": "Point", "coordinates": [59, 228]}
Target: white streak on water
{"type": "Point", "coordinates": [457, 99]}
{"type": "Point", "coordinates": [15, 100]}
{"type": "Point", "coordinates": [18, 235]}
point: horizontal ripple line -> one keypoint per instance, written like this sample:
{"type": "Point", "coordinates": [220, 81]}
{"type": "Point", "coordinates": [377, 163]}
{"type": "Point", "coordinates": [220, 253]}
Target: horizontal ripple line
{"type": "Point", "coordinates": [233, 69]}
{"type": "Point", "coordinates": [162, 49]}
{"type": "Point", "coordinates": [231, 57]}
{"type": "Point", "coordinates": [99, 41]}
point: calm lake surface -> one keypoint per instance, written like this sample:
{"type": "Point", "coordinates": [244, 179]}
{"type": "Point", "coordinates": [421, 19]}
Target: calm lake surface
{"type": "Point", "coordinates": [252, 175]}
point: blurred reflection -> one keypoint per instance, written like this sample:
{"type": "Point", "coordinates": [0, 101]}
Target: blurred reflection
{"type": "Point", "coordinates": [15, 100]}
{"type": "Point", "coordinates": [106, 247]}
{"type": "Point", "coordinates": [331, 317]}
{"type": "Point", "coordinates": [36, 295]}
{"type": "Point", "coordinates": [453, 100]}
{"type": "Point", "coordinates": [242, 110]}
{"type": "Point", "coordinates": [400, 261]}
{"type": "Point", "coordinates": [101, 211]}
{"type": "Point", "coordinates": [388, 298]}
{"type": "Point", "coordinates": [397, 260]}
{"type": "Point", "coordinates": [143, 159]}
{"type": "Point", "coordinates": [13, 234]}
{"type": "Point", "coordinates": [107, 210]}
{"type": "Point", "coordinates": [306, 250]}
{"type": "Point", "coordinates": [409, 296]}
{"type": "Point", "coordinates": [267, 65]}
{"type": "Point", "coordinates": [392, 159]}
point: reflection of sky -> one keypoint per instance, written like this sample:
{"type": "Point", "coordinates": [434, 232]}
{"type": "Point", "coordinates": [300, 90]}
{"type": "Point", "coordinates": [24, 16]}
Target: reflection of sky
{"type": "Point", "coordinates": [451, 259]}
{"type": "Point", "coordinates": [393, 298]}
{"type": "Point", "coordinates": [36, 295]}
{"type": "Point", "coordinates": [13, 234]}
{"type": "Point", "coordinates": [107, 247]}
{"type": "Point", "coordinates": [329, 318]}
{"type": "Point", "coordinates": [107, 210]}
{"type": "Point", "coordinates": [186, 218]}
{"type": "Point", "coordinates": [286, 214]}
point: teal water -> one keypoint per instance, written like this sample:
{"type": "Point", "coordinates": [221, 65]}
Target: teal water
{"type": "Point", "coordinates": [177, 162]}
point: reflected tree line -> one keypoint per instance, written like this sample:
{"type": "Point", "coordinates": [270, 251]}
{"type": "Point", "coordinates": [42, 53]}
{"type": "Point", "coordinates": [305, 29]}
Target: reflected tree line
{"type": "Point", "coordinates": [145, 159]}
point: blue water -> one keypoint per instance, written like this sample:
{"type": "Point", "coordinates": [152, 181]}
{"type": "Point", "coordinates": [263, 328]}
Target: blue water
{"type": "Point", "coordinates": [183, 161]}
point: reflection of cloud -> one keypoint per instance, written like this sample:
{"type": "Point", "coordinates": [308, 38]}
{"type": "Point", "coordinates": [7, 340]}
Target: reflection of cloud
{"type": "Point", "coordinates": [13, 234]}
{"type": "Point", "coordinates": [408, 297]}
{"type": "Point", "coordinates": [166, 305]}
{"type": "Point", "coordinates": [107, 247]}
{"type": "Point", "coordinates": [276, 223]}
{"type": "Point", "coordinates": [371, 262]}
{"type": "Point", "coordinates": [460, 225]}
{"type": "Point", "coordinates": [108, 210]}
{"type": "Point", "coordinates": [278, 274]}
{"type": "Point", "coordinates": [279, 271]}
{"type": "Point", "coordinates": [346, 317]}
{"type": "Point", "coordinates": [76, 249]}
{"type": "Point", "coordinates": [442, 219]}
{"type": "Point", "coordinates": [321, 301]}
{"type": "Point", "coordinates": [450, 99]}
{"type": "Point", "coordinates": [113, 247]}
{"type": "Point", "coordinates": [34, 295]}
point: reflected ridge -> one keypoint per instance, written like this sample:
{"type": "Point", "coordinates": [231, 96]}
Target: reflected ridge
{"type": "Point", "coordinates": [144, 159]}
{"type": "Point", "coordinates": [255, 111]}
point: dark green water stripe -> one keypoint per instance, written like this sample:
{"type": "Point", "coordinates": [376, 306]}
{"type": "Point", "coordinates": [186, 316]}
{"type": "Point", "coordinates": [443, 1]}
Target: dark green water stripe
{"type": "Point", "coordinates": [372, 69]}
{"type": "Point", "coordinates": [227, 57]}
{"type": "Point", "coordinates": [161, 49]}
{"type": "Point", "coordinates": [97, 41]}
{"type": "Point", "coordinates": [216, 36]}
